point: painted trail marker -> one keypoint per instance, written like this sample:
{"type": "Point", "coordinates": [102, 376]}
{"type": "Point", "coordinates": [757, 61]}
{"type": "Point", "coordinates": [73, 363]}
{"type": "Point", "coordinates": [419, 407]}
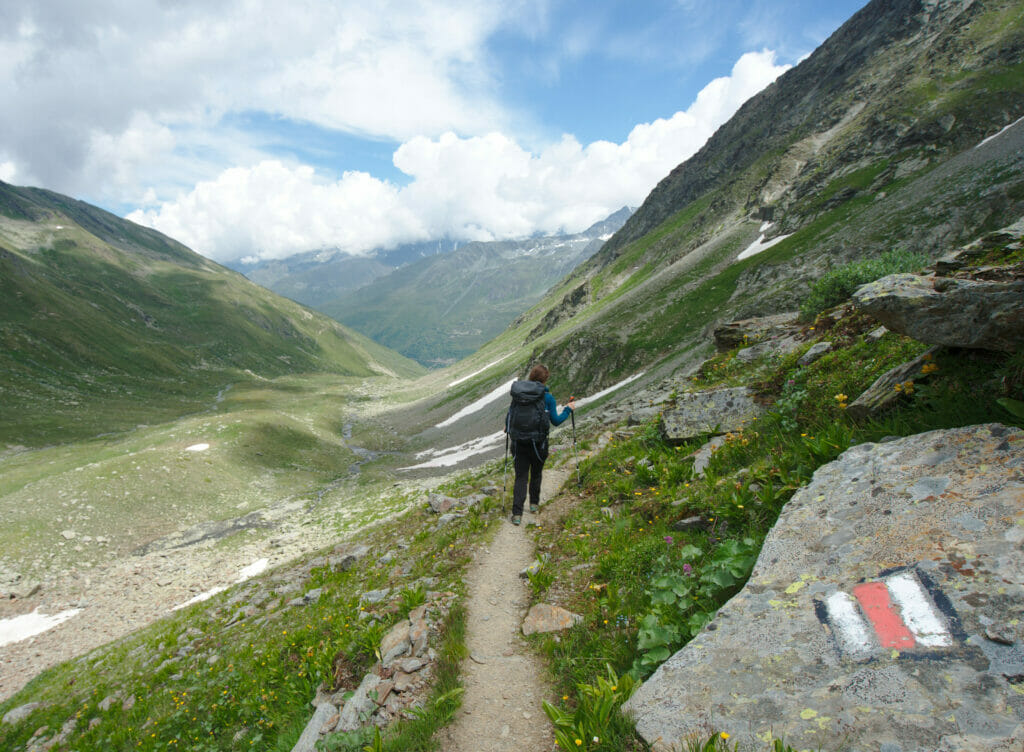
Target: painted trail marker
{"type": "Point", "coordinates": [895, 613]}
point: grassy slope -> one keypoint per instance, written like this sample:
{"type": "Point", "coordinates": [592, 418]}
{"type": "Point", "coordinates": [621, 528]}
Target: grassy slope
{"type": "Point", "coordinates": [101, 332]}
{"type": "Point", "coordinates": [271, 658]}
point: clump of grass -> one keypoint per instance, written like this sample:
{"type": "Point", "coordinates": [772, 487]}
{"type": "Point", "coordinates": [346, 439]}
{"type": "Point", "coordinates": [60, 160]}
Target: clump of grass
{"type": "Point", "coordinates": [646, 585]}
{"type": "Point", "coordinates": [839, 284]}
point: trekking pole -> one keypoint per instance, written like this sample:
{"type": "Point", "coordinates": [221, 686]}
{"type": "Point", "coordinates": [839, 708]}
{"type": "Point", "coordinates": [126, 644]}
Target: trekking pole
{"type": "Point", "coordinates": [572, 415]}
{"type": "Point", "coordinates": [504, 478]}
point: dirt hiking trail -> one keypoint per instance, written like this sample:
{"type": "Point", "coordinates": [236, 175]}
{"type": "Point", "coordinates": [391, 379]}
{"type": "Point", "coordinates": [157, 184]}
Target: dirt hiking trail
{"type": "Point", "coordinates": [504, 681]}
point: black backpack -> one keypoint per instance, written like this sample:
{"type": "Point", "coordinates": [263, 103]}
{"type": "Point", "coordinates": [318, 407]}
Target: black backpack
{"type": "Point", "coordinates": [527, 418]}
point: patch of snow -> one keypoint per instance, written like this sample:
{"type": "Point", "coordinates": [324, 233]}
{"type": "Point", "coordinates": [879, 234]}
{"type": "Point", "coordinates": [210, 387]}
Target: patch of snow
{"type": "Point", "coordinates": [475, 373]}
{"type": "Point", "coordinates": [604, 237]}
{"type": "Point", "coordinates": [197, 448]}
{"type": "Point", "coordinates": [475, 406]}
{"type": "Point", "coordinates": [765, 227]}
{"type": "Point", "coordinates": [760, 245]}
{"type": "Point", "coordinates": [456, 454]}
{"type": "Point", "coordinates": [22, 627]}
{"type": "Point", "coordinates": [1000, 133]}
{"type": "Point", "coordinates": [258, 566]}
{"type": "Point", "coordinates": [594, 397]}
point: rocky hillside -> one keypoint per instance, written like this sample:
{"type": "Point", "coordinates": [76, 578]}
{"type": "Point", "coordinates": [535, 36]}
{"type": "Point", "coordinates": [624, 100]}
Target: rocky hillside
{"type": "Point", "coordinates": [316, 277]}
{"type": "Point", "coordinates": [886, 137]}
{"type": "Point", "coordinates": [106, 324]}
{"type": "Point", "coordinates": [442, 308]}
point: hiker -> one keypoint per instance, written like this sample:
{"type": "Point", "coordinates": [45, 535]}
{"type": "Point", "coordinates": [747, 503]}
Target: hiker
{"type": "Point", "coordinates": [533, 409]}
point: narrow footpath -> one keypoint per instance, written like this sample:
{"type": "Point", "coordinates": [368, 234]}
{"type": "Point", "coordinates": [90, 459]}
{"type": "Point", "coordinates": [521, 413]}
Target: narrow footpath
{"type": "Point", "coordinates": [504, 682]}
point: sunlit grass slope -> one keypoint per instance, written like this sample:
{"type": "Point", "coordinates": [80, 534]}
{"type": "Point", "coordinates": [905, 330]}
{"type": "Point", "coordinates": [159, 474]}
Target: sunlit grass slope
{"type": "Point", "coordinates": [105, 325]}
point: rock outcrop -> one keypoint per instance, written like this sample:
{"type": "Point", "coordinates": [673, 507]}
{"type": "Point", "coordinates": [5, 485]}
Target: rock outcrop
{"type": "Point", "coordinates": [983, 314]}
{"type": "Point", "coordinates": [890, 387]}
{"type": "Point", "coordinates": [744, 332]}
{"type": "Point", "coordinates": [885, 610]}
{"type": "Point", "coordinates": [709, 412]}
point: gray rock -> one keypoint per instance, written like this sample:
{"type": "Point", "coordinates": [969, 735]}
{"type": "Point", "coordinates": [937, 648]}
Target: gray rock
{"type": "Point", "coordinates": [748, 331]}
{"type": "Point", "coordinates": [360, 706]}
{"type": "Point", "coordinates": [814, 352]}
{"type": "Point", "coordinates": [803, 651]}
{"type": "Point", "coordinates": [343, 560]}
{"type": "Point", "coordinates": [412, 665]}
{"type": "Point", "coordinates": [439, 503]}
{"type": "Point", "coordinates": [642, 415]}
{"type": "Point", "coordinates": [702, 457]}
{"type": "Point", "coordinates": [692, 523]}
{"type": "Point", "coordinates": [419, 635]}
{"type": "Point", "coordinates": [311, 734]}
{"type": "Point", "coordinates": [395, 643]}
{"type": "Point", "coordinates": [544, 617]}
{"type": "Point", "coordinates": [715, 411]}
{"type": "Point", "coordinates": [21, 712]}
{"type": "Point", "coordinates": [447, 519]}
{"type": "Point", "coordinates": [883, 394]}
{"type": "Point", "coordinates": [876, 334]}
{"type": "Point", "coordinates": [375, 596]}
{"type": "Point", "coordinates": [944, 311]}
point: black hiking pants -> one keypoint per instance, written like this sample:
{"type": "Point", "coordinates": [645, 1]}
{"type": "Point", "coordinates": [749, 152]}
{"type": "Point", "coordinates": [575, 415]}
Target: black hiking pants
{"type": "Point", "coordinates": [529, 457]}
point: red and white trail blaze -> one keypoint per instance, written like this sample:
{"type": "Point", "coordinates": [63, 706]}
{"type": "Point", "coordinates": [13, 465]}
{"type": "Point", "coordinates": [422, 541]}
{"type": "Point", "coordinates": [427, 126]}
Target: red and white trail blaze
{"type": "Point", "coordinates": [894, 613]}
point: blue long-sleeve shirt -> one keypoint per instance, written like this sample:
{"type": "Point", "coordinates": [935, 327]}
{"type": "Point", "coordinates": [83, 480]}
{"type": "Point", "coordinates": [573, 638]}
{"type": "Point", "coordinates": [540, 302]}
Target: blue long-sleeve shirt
{"type": "Point", "coordinates": [552, 406]}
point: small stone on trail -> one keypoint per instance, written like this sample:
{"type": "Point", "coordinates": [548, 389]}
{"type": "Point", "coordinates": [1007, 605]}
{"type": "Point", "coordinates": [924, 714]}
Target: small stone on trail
{"type": "Point", "coordinates": [544, 617]}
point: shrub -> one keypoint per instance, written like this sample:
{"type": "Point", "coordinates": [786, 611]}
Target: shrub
{"type": "Point", "coordinates": [838, 284]}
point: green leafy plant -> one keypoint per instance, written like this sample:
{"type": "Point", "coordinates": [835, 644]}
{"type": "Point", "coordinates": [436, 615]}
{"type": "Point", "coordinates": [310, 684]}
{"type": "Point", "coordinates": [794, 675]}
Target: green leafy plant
{"type": "Point", "coordinates": [687, 593]}
{"type": "Point", "coordinates": [592, 724]}
{"type": "Point", "coordinates": [411, 597]}
{"type": "Point", "coordinates": [839, 284]}
{"type": "Point", "coordinates": [1015, 407]}
{"type": "Point", "coordinates": [540, 580]}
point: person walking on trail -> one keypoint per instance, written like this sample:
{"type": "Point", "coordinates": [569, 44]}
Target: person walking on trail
{"type": "Point", "coordinates": [532, 412]}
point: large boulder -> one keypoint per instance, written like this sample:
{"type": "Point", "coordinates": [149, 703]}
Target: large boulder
{"type": "Point", "coordinates": [983, 314]}
{"type": "Point", "coordinates": [884, 613]}
{"type": "Point", "coordinates": [714, 411]}
{"type": "Point", "coordinates": [748, 331]}
{"type": "Point", "coordinates": [889, 388]}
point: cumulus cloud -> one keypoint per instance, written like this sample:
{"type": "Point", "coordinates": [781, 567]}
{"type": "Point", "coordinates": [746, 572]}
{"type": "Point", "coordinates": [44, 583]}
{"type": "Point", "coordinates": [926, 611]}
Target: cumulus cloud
{"type": "Point", "coordinates": [8, 171]}
{"type": "Point", "coordinates": [77, 78]}
{"type": "Point", "coordinates": [473, 188]}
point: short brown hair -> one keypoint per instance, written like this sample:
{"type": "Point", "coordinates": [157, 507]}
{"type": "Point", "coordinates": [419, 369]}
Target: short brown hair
{"type": "Point", "coordinates": [539, 373]}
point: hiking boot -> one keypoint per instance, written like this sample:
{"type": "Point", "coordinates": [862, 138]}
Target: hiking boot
{"type": "Point", "coordinates": [516, 519]}
{"type": "Point", "coordinates": [535, 508]}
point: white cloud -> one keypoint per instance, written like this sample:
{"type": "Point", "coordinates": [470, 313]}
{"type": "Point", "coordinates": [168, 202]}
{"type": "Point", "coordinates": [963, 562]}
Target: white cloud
{"type": "Point", "coordinates": [8, 171]}
{"type": "Point", "coordinates": [481, 188]}
{"type": "Point", "coordinates": [272, 210]}
{"type": "Point", "coordinates": [82, 79]}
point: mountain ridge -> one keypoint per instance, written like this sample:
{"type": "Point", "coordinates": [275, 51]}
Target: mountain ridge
{"type": "Point", "coordinates": [99, 313]}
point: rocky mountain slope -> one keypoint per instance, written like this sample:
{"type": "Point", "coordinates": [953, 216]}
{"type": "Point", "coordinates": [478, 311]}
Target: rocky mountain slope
{"type": "Point", "coordinates": [316, 277]}
{"type": "Point", "coordinates": [879, 140]}
{"type": "Point", "coordinates": [106, 324]}
{"type": "Point", "coordinates": [438, 306]}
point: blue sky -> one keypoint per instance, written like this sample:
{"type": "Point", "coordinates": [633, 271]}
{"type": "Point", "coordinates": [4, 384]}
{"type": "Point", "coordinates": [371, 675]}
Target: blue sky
{"type": "Point", "coordinates": [249, 128]}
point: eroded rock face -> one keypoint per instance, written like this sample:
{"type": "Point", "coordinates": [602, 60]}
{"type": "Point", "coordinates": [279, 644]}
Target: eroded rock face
{"type": "Point", "coordinates": [714, 411]}
{"type": "Point", "coordinates": [980, 314]}
{"type": "Point", "coordinates": [885, 610]}
{"type": "Point", "coordinates": [749, 331]}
